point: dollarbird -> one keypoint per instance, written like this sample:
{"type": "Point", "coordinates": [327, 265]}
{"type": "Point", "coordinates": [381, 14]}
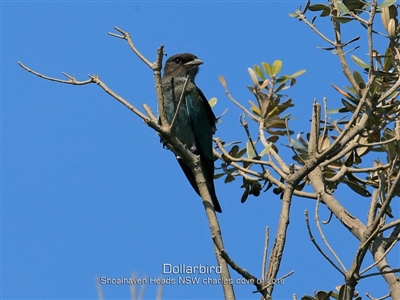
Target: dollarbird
{"type": "Point", "coordinates": [195, 122]}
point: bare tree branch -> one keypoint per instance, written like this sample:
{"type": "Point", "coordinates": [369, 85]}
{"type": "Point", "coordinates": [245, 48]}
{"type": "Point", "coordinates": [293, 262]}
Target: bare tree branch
{"type": "Point", "coordinates": [317, 246]}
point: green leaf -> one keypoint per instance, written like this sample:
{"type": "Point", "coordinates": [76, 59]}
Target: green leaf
{"type": "Point", "coordinates": [250, 149]}
{"type": "Point", "coordinates": [326, 48]}
{"type": "Point", "coordinates": [307, 298]}
{"type": "Point", "coordinates": [273, 139]}
{"type": "Point", "coordinates": [259, 72]}
{"type": "Point", "coordinates": [332, 111]}
{"type": "Point", "coordinates": [359, 79]}
{"type": "Point", "coordinates": [281, 87]}
{"type": "Point", "coordinates": [346, 94]}
{"type": "Point", "coordinates": [219, 118]}
{"type": "Point", "coordinates": [212, 101]}
{"type": "Point", "coordinates": [266, 150]}
{"type": "Point", "coordinates": [342, 20]}
{"type": "Point", "coordinates": [323, 142]}
{"type": "Point", "coordinates": [387, 14]}
{"type": "Point", "coordinates": [229, 178]}
{"type": "Point", "coordinates": [282, 79]}
{"type": "Point", "coordinates": [318, 7]}
{"type": "Point", "coordinates": [360, 62]}
{"type": "Point", "coordinates": [276, 66]}
{"type": "Point", "coordinates": [256, 111]}
{"type": "Point", "coordinates": [298, 73]}
{"type": "Point", "coordinates": [255, 189]}
{"type": "Point", "coordinates": [306, 7]}
{"type": "Point", "coordinates": [219, 175]}
{"type": "Point", "coordinates": [275, 132]}
{"type": "Point", "coordinates": [254, 108]}
{"type": "Point", "coordinates": [348, 106]}
{"type": "Point", "coordinates": [388, 62]}
{"type": "Point", "coordinates": [325, 10]}
{"type": "Point", "coordinates": [343, 8]}
{"type": "Point", "coordinates": [313, 19]}
{"type": "Point", "coordinates": [325, 13]}
{"type": "Point", "coordinates": [277, 124]}
{"type": "Point", "coordinates": [241, 152]}
{"type": "Point", "coordinates": [354, 5]}
{"type": "Point", "coordinates": [245, 194]}
{"type": "Point", "coordinates": [233, 152]}
{"type": "Point", "coordinates": [267, 68]}
{"type": "Point", "coordinates": [352, 41]}
{"type": "Point", "coordinates": [364, 150]}
{"type": "Point", "coordinates": [299, 146]}
{"type": "Point", "coordinates": [386, 3]}
{"type": "Point", "coordinates": [322, 295]}
{"type": "Point", "coordinates": [358, 188]}
{"type": "Point", "coordinates": [253, 77]}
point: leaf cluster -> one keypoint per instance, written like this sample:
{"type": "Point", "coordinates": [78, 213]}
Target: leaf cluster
{"type": "Point", "coordinates": [269, 111]}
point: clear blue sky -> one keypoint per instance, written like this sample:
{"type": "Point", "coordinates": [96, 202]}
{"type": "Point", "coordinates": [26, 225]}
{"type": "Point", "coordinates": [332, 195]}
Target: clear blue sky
{"type": "Point", "coordinates": [88, 190]}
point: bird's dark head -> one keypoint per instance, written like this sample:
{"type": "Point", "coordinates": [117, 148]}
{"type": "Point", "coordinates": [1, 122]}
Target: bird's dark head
{"type": "Point", "coordinates": [182, 65]}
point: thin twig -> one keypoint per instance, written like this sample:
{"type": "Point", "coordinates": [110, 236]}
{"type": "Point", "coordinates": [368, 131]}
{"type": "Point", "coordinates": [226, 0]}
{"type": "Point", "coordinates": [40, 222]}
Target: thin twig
{"type": "Point", "coordinates": [159, 292]}
{"type": "Point", "coordinates": [96, 79]}
{"type": "Point", "coordinates": [397, 270]}
{"type": "Point", "coordinates": [317, 221]}
{"type": "Point", "coordinates": [246, 128]}
{"type": "Point", "coordinates": [126, 36]}
{"type": "Point", "coordinates": [312, 26]}
{"type": "Point", "coordinates": [380, 298]}
{"type": "Point", "coordinates": [99, 288]}
{"type": "Point", "coordinates": [385, 205]}
{"type": "Point", "coordinates": [291, 146]}
{"type": "Point", "coordinates": [252, 116]}
{"type": "Point", "coordinates": [370, 24]}
{"type": "Point", "coordinates": [390, 225]}
{"type": "Point", "coordinates": [372, 207]}
{"type": "Point", "coordinates": [339, 51]}
{"type": "Point", "coordinates": [180, 102]}
{"type": "Point", "coordinates": [245, 274]}
{"type": "Point", "coordinates": [280, 279]}
{"type": "Point", "coordinates": [317, 246]}
{"type": "Point", "coordinates": [264, 263]}
{"type": "Point", "coordinates": [378, 261]}
{"type": "Point", "coordinates": [281, 233]}
{"type": "Point", "coordinates": [71, 79]}
{"type": "Point", "coordinates": [149, 112]}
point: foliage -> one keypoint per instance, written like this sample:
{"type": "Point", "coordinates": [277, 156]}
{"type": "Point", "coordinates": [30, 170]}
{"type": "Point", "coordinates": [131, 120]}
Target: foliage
{"type": "Point", "coordinates": [356, 145]}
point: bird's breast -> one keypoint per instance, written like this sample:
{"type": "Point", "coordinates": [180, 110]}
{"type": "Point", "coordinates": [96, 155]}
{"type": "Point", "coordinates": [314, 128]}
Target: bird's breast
{"type": "Point", "coordinates": [182, 127]}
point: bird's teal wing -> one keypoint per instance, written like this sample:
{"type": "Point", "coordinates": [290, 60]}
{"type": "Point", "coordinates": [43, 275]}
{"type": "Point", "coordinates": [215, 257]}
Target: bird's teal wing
{"type": "Point", "coordinates": [202, 119]}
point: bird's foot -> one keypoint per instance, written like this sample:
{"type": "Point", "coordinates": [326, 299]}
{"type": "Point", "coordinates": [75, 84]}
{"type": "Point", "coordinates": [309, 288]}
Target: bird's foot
{"type": "Point", "coordinates": [193, 149]}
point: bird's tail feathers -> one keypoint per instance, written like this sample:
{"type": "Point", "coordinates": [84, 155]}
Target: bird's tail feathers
{"type": "Point", "coordinates": [210, 185]}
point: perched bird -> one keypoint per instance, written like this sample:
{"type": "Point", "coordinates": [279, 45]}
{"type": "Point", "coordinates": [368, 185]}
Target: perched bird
{"type": "Point", "coordinates": [195, 121]}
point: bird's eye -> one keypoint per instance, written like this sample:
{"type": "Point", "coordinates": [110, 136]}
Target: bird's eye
{"type": "Point", "coordinates": [177, 61]}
